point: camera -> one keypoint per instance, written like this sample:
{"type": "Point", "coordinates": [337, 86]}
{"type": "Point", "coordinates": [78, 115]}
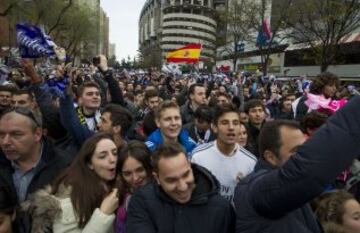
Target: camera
{"type": "Point", "coordinates": [96, 61]}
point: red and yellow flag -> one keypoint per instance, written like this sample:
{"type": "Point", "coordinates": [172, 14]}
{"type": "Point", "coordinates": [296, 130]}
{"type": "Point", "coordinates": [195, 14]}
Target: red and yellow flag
{"type": "Point", "coordinates": [190, 53]}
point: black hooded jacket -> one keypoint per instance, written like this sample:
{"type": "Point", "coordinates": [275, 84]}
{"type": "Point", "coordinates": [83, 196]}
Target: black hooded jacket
{"type": "Point", "coordinates": [151, 210]}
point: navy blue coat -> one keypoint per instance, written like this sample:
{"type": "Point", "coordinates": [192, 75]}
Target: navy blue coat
{"type": "Point", "coordinates": [275, 199]}
{"type": "Point", "coordinates": [152, 211]}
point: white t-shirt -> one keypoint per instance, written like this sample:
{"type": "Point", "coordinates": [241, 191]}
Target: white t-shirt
{"type": "Point", "coordinates": [225, 168]}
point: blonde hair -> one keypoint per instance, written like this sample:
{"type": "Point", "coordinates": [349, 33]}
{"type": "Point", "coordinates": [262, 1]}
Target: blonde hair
{"type": "Point", "coordinates": [165, 105]}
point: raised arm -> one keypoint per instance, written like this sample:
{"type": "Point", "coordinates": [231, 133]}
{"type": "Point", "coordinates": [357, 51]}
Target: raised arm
{"type": "Point", "coordinates": [70, 119]}
{"type": "Point", "coordinates": [316, 163]}
{"type": "Point", "coordinates": [114, 89]}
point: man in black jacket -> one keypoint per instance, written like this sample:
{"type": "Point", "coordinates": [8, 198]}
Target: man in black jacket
{"type": "Point", "coordinates": [183, 198]}
{"type": "Point", "coordinates": [196, 97]}
{"type": "Point", "coordinates": [290, 174]}
{"type": "Point", "coordinates": [255, 109]}
{"type": "Point", "coordinates": [28, 161]}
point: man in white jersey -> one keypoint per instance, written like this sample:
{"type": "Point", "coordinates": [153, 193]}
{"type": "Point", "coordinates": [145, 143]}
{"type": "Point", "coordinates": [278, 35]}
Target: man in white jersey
{"type": "Point", "coordinates": [225, 159]}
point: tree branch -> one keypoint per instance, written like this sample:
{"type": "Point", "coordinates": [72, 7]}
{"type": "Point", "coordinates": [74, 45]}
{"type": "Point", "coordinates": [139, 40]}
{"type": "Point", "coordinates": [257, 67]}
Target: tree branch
{"type": "Point", "coordinates": [7, 10]}
{"type": "Point", "coordinates": [61, 15]}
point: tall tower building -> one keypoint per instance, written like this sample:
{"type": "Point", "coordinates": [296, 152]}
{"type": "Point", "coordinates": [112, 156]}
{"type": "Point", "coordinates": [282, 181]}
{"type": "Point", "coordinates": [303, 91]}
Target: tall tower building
{"type": "Point", "coordinates": [170, 24]}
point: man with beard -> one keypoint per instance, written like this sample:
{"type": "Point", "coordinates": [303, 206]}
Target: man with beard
{"type": "Point", "coordinates": [224, 158]}
{"type": "Point", "coordinates": [183, 198]}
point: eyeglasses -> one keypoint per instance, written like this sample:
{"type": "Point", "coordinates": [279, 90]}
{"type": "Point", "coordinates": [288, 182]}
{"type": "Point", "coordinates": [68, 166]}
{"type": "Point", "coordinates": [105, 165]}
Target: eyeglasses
{"type": "Point", "coordinates": [27, 112]}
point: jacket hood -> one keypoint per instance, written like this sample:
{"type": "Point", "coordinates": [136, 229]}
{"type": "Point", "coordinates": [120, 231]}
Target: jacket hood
{"type": "Point", "coordinates": [206, 186]}
{"type": "Point", "coordinates": [44, 207]}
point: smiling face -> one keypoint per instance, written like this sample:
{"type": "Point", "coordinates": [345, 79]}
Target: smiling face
{"type": "Point", "coordinates": [134, 173]}
{"type": "Point", "coordinates": [103, 160]}
{"type": "Point", "coordinates": [90, 98]}
{"type": "Point", "coordinates": [176, 178]}
{"type": "Point", "coordinates": [170, 123]}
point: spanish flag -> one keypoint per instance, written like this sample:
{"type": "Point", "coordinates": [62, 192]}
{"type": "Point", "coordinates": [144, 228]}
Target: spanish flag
{"type": "Point", "coordinates": [189, 53]}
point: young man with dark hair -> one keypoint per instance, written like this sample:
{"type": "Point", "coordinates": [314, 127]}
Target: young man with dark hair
{"type": "Point", "coordinates": [116, 120]}
{"type": "Point", "coordinates": [89, 100]}
{"type": "Point", "coordinates": [291, 173]}
{"type": "Point", "coordinates": [183, 198]}
{"type": "Point", "coordinates": [6, 93]}
{"type": "Point", "coordinates": [227, 160]}
{"type": "Point", "coordinates": [151, 100]}
{"type": "Point", "coordinates": [168, 121]}
{"type": "Point", "coordinates": [222, 98]}
{"type": "Point", "coordinates": [200, 129]}
{"type": "Point", "coordinates": [284, 110]}
{"type": "Point", "coordinates": [255, 109]}
{"type": "Point", "coordinates": [23, 98]}
{"type": "Point", "coordinates": [89, 96]}
{"type": "Point", "coordinates": [196, 97]}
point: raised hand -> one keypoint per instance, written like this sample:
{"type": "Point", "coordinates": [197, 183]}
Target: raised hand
{"type": "Point", "coordinates": [110, 203]}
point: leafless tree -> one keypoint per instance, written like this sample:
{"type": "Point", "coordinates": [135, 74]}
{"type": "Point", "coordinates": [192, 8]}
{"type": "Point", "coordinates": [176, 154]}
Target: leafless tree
{"type": "Point", "coordinates": [281, 13]}
{"type": "Point", "coordinates": [322, 24]}
{"type": "Point", "coordinates": [240, 18]}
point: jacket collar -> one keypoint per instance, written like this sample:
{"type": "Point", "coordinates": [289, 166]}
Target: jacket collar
{"type": "Point", "coordinates": [157, 138]}
{"type": "Point", "coordinates": [262, 164]}
{"type": "Point", "coordinates": [253, 129]}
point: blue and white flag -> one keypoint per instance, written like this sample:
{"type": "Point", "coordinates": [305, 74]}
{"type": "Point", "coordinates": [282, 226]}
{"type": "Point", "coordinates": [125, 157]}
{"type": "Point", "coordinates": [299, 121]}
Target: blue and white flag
{"type": "Point", "coordinates": [33, 42]}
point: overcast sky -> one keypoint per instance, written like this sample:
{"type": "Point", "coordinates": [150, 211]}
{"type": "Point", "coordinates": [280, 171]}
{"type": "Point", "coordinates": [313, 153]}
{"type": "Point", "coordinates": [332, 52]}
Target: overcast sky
{"type": "Point", "coordinates": [124, 16]}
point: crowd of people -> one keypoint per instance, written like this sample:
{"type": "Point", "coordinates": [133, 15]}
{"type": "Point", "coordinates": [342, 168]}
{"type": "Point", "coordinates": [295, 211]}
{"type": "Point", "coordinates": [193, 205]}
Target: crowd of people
{"type": "Point", "coordinates": [91, 149]}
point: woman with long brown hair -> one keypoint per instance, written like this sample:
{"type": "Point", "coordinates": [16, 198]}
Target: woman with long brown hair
{"type": "Point", "coordinates": [134, 167]}
{"type": "Point", "coordinates": [83, 198]}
